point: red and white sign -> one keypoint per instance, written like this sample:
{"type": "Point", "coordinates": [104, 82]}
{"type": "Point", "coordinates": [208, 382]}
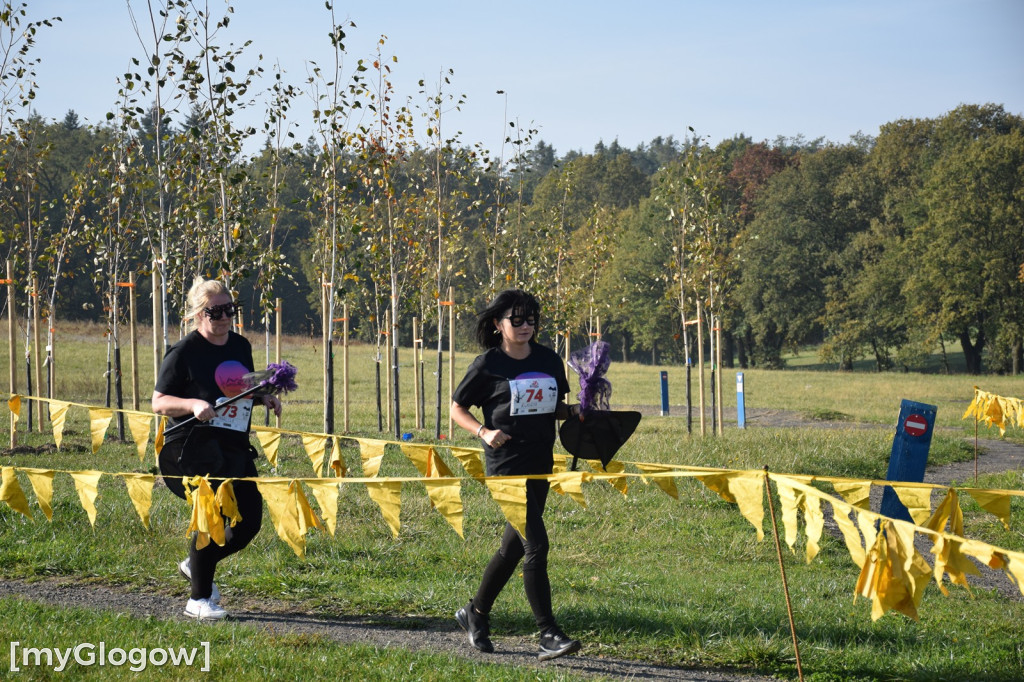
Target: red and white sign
{"type": "Point", "coordinates": [915, 425]}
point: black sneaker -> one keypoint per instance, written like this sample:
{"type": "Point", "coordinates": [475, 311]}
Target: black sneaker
{"type": "Point", "coordinates": [555, 643]}
{"type": "Point", "coordinates": [477, 625]}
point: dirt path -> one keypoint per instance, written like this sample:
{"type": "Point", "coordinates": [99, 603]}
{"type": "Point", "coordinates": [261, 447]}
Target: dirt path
{"type": "Point", "coordinates": [443, 635]}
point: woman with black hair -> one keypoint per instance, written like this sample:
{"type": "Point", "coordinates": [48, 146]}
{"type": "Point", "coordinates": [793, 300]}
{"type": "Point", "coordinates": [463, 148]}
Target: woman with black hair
{"type": "Point", "coordinates": [519, 386]}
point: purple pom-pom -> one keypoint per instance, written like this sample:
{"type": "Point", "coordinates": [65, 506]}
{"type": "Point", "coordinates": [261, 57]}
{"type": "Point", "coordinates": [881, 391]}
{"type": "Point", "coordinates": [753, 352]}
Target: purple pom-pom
{"type": "Point", "coordinates": [283, 377]}
{"type": "Point", "coordinates": [591, 363]}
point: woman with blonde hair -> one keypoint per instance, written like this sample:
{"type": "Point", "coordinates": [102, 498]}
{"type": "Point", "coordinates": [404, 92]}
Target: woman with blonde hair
{"type": "Point", "coordinates": [206, 366]}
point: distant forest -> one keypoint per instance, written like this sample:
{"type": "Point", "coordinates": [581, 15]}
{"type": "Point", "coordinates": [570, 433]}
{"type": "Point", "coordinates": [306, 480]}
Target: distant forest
{"type": "Point", "coordinates": [888, 247]}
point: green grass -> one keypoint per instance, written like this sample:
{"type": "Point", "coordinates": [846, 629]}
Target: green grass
{"type": "Point", "coordinates": [640, 576]}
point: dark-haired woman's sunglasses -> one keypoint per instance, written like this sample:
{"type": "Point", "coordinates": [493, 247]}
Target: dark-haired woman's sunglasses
{"type": "Point", "coordinates": [519, 320]}
{"type": "Point", "coordinates": [218, 311]}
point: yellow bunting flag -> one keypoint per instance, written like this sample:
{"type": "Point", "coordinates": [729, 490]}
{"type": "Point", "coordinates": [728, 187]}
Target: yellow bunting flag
{"type": "Point", "coordinates": [894, 574]}
{"type": "Point", "coordinates": [14, 403]}
{"type": "Point", "coordinates": [158, 444]}
{"type": "Point", "coordinates": [140, 426]}
{"type": "Point", "coordinates": [388, 496]}
{"type": "Point", "coordinates": [994, 502]}
{"type": "Point", "coordinates": [851, 536]}
{"type": "Point", "coordinates": [206, 520]}
{"type": "Point", "coordinates": [617, 482]}
{"type": "Point", "coordinates": [337, 463]}
{"type": "Point", "coordinates": [270, 441]}
{"type": "Point", "coordinates": [99, 420]}
{"type": "Point", "coordinates": [140, 490]}
{"type": "Point", "coordinates": [58, 413]}
{"type": "Point", "coordinates": [743, 488]}
{"type": "Point", "coordinates": [315, 446]}
{"type": "Point", "coordinates": [857, 493]}
{"type": "Point", "coordinates": [87, 485]}
{"type": "Point", "coordinates": [42, 485]}
{"type": "Point", "coordinates": [571, 483]}
{"type": "Point", "coordinates": [12, 494]}
{"type": "Point", "coordinates": [469, 458]}
{"type": "Point", "coordinates": [791, 500]}
{"type": "Point", "coordinates": [949, 560]}
{"type": "Point", "coordinates": [227, 504]}
{"type": "Point", "coordinates": [371, 453]}
{"type": "Point", "coordinates": [666, 483]}
{"type": "Point", "coordinates": [290, 512]}
{"type": "Point", "coordinates": [1015, 569]}
{"type": "Point", "coordinates": [326, 494]}
{"type": "Point", "coordinates": [918, 501]}
{"type": "Point", "coordinates": [419, 455]}
{"type": "Point", "coordinates": [948, 511]}
{"type": "Point", "coordinates": [815, 525]}
{"type": "Point", "coordinates": [445, 496]}
{"type": "Point", "coordinates": [510, 494]}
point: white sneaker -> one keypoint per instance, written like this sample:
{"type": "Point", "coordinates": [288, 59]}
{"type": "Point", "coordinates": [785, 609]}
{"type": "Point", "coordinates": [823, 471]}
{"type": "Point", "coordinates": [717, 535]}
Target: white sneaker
{"type": "Point", "coordinates": [204, 609]}
{"type": "Point", "coordinates": [185, 569]}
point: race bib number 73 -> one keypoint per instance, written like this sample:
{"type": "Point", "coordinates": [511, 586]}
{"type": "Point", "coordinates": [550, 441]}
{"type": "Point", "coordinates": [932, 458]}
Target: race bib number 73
{"type": "Point", "coordinates": [535, 395]}
{"type": "Point", "coordinates": [234, 416]}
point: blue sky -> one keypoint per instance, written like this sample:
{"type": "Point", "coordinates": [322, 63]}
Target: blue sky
{"type": "Point", "coordinates": [581, 72]}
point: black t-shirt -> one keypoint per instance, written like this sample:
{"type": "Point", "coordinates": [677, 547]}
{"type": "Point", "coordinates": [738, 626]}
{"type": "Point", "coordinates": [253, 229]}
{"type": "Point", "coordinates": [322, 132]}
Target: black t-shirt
{"type": "Point", "coordinates": [196, 368]}
{"type": "Point", "coordinates": [519, 397]}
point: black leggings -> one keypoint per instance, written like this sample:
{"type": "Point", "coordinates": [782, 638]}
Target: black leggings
{"type": "Point", "coordinates": [533, 550]}
{"type": "Point", "coordinates": [203, 562]}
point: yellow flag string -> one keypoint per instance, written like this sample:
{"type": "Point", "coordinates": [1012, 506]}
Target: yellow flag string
{"type": "Point", "coordinates": [996, 410]}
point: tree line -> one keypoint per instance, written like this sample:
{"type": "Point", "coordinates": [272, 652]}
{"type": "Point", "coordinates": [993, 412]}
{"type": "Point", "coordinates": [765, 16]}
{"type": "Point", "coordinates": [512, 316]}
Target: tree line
{"type": "Point", "coordinates": [886, 247]}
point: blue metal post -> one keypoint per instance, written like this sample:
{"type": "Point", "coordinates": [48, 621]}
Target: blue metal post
{"type": "Point", "coordinates": [664, 394]}
{"type": "Point", "coordinates": [909, 453]}
{"type": "Point", "coordinates": [741, 411]}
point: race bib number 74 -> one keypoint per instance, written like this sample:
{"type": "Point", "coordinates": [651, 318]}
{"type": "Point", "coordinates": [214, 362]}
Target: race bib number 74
{"type": "Point", "coordinates": [536, 395]}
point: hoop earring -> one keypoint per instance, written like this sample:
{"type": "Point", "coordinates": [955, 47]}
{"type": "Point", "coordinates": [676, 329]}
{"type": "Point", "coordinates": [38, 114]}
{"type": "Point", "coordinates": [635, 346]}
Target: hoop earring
{"type": "Point", "coordinates": [496, 331]}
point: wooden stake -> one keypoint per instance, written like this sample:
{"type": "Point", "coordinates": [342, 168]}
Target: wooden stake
{"type": "Point", "coordinates": [133, 338]}
{"type": "Point", "coordinates": [277, 342]}
{"type": "Point", "coordinates": [718, 386]}
{"type": "Point", "coordinates": [415, 374]}
{"type": "Point", "coordinates": [156, 324]}
{"type": "Point", "coordinates": [451, 357]}
{"type": "Point", "coordinates": [782, 570]}
{"type": "Point", "coordinates": [13, 376]}
{"type": "Point", "coordinates": [38, 368]}
{"type": "Point", "coordinates": [700, 363]}
{"type": "Point", "coordinates": [344, 363]}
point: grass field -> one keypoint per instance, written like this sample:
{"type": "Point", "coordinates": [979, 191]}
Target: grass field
{"type": "Point", "coordinates": [642, 576]}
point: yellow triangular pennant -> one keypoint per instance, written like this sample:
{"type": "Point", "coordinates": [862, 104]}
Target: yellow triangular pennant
{"type": "Point", "coordinates": [99, 420]}
{"type": "Point", "coordinates": [58, 413]}
{"type": "Point", "coordinates": [315, 447]}
{"type": "Point", "coordinates": [337, 463]}
{"type": "Point", "coordinates": [446, 497]}
{"type": "Point", "coordinates": [510, 494]}
{"type": "Point", "coordinates": [851, 536]}
{"type": "Point", "coordinates": [14, 403]}
{"type": "Point", "coordinates": [87, 485]}
{"type": "Point", "coordinates": [857, 493]}
{"type": "Point", "coordinates": [326, 494]}
{"type": "Point", "coordinates": [469, 458]}
{"type": "Point", "coordinates": [419, 455]}
{"type": "Point", "coordinates": [42, 485]}
{"type": "Point", "coordinates": [140, 426]}
{"type": "Point", "coordinates": [997, 503]}
{"type": "Point", "coordinates": [743, 488]}
{"type": "Point", "coordinates": [388, 496]}
{"type": "Point", "coordinates": [665, 482]}
{"type": "Point", "coordinates": [206, 520]}
{"type": "Point", "coordinates": [918, 501]}
{"type": "Point", "coordinates": [371, 453]}
{"type": "Point", "coordinates": [270, 441]}
{"type": "Point", "coordinates": [12, 494]}
{"type": "Point", "coordinates": [140, 490]}
{"type": "Point", "coordinates": [571, 483]}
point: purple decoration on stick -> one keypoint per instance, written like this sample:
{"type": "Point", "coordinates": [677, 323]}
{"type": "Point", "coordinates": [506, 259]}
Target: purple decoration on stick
{"type": "Point", "coordinates": [591, 364]}
{"type": "Point", "coordinates": [283, 377]}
